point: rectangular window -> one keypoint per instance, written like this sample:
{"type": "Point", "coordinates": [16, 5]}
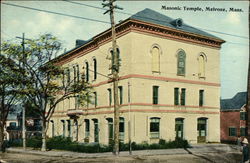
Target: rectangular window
{"type": "Point", "coordinates": [110, 96]}
{"type": "Point", "coordinates": [201, 97]}
{"type": "Point", "coordinates": [232, 131]}
{"type": "Point", "coordinates": [242, 115]}
{"type": "Point", "coordinates": [176, 96]}
{"type": "Point", "coordinates": [86, 128]}
{"type": "Point", "coordinates": [77, 73]}
{"type": "Point", "coordinates": [242, 131]}
{"type": "Point", "coordinates": [183, 96]}
{"type": "Point", "coordinates": [155, 94]}
{"type": "Point", "coordinates": [69, 128]}
{"type": "Point", "coordinates": [120, 94]}
{"type": "Point", "coordinates": [95, 96]}
{"type": "Point", "coordinates": [68, 76]}
{"type": "Point", "coordinates": [154, 127]}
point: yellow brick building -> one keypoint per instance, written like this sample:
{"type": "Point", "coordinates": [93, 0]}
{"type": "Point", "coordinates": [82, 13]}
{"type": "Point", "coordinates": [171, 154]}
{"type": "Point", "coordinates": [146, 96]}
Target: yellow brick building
{"type": "Point", "coordinates": [169, 83]}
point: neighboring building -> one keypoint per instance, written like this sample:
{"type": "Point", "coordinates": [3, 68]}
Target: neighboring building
{"type": "Point", "coordinates": [233, 117]}
{"type": "Point", "coordinates": [14, 124]}
{"type": "Point", "coordinates": [174, 77]}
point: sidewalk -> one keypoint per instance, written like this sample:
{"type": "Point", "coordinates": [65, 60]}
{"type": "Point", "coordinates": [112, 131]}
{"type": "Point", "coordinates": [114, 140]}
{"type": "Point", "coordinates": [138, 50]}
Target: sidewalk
{"type": "Point", "coordinates": [196, 149]}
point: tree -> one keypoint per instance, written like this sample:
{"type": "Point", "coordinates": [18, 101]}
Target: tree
{"type": "Point", "coordinates": [47, 86]}
{"type": "Point", "coordinates": [11, 79]}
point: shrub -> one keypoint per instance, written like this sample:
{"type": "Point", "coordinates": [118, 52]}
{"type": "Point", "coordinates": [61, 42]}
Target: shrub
{"type": "Point", "coordinates": [35, 142]}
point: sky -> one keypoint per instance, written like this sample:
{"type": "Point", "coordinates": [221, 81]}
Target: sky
{"type": "Point", "coordinates": [234, 55]}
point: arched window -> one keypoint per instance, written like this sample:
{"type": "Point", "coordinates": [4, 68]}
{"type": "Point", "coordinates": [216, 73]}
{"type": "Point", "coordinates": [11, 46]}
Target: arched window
{"type": "Point", "coordinates": [181, 62]}
{"type": "Point", "coordinates": [201, 60]}
{"type": "Point", "coordinates": [86, 71]}
{"type": "Point", "coordinates": [113, 67]}
{"type": "Point", "coordinates": [95, 68]}
{"type": "Point", "coordinates": [155, 59]}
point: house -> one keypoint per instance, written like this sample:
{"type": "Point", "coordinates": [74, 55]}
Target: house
{"type": "Point", "coordinates": [233, 117]}
{"type": "Point", "coordinates": [169, 83]}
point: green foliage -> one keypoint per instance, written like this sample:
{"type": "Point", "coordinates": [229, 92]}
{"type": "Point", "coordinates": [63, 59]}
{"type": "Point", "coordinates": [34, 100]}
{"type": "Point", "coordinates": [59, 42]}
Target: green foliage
{"type": "Point", "coordinates": [65, 143]}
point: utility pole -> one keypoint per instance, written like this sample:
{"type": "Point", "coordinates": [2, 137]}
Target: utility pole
{"type": "Point", "coordinates": [23, 114]}
{"type": "Point", "coordinates": [115, 70]}
{"type": "Point", "coordinates": [248, 94]}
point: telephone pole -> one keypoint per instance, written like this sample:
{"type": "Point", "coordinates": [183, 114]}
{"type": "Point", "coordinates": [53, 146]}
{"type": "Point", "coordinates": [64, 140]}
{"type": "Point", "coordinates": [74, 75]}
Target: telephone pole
{"type": "Point", "coordinates": [115, 70]}
{"type": "Point", "coordinates": [23, 114]}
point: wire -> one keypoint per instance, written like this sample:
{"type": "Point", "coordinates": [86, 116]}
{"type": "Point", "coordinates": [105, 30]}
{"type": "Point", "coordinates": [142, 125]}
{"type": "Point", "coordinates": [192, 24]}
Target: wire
{"type": "Point", "coordinates": [244, 37]}
{"type": "Point", "coordinates": [57, 13]}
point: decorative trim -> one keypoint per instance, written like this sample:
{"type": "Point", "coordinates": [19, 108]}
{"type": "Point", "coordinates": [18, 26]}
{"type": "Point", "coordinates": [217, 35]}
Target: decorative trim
{"type": "Point", "coordinates": [130, 25]}
{"type": "Point", "coordinates": [159, 78]}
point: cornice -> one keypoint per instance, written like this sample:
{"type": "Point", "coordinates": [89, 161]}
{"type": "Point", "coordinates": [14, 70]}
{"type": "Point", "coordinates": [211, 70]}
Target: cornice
{"type": "Point", "coordinates": [143, 27]}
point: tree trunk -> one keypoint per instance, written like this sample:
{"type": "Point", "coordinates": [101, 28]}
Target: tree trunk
{"type": "Point", "coordinates": [1, 138]}
{"type": "Point", "coordinates": [43, 136]}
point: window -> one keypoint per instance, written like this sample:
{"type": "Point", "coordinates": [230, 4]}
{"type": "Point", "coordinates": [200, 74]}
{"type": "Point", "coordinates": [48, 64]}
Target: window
{"type": "Point", "coordinates": [77, 102]}
{"type": "Point", "coordinates": [243, 131]}
{"type": "Point", "coordinates": [183, 96]}
{"type": "Point", "coordinates": [95, 68]}
{"type": "Point", "coordinates": [176, 96]}
{"type": "Point", "coordinates": [63, 132]}
{"type": "Point", "coordinates": [201, 97]}
{"type": "Point", "coordinates": [154, 127]}
{"type": "Point", "coordinates": [86, 127]}
{"type": "Point", "coordinates": [110, 130]}
{"type": "Point", "coordinates": [181, 62]}
{"type": "Point", "coordinates": [69, 128]}
{"type": "Point", "coordinates": [68, 76]}
{"type": "Point", "coordinates": [120, 94]}
{"type": "Point", "coordinates": [155, 59]}
{"type": "Point", "coordinates": [96, 130]}
{"type": "Point", "coordinates": [110, 96]}
{"type": "Point", "coordinates": [121, 129]}
{"type": "Point", "coordinates": [87, 71]}
{"type": "Point", "coordinates": [202, 126]}
{"type": "Point", "coordinates": [113, 66]}
{"type": "Point", "coordinates": [201, 60]}
{"type": "Point", "coordinates": [243, 115]}
{"type": "Point", "coordinates": [52, 128]}
{"type": "Point", "coordinates": [95, 96]}
{"type": "Point", "coordinates": [232, 131]}
{"type": "Point", "coordinates": [77, 73]}
{"type": "Point", "coordinates": [155, 94]}
{"type": "Point", "coordinates": [179, 127]}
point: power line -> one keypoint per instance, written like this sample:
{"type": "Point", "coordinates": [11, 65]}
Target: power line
{"type": "Point", "coordinates": [57, 13]}
{"type": "Point", "coordinates": [244, 37]}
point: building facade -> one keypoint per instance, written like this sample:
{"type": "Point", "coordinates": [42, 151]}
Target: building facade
{"type": "Point", "coordinates": [169, 84]}
{"type": "Point", "coordinates": [233, 118]}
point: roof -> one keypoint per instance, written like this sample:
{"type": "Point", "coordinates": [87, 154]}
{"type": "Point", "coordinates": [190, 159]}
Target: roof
{"type": "Point", "coordinates": [234, 103]}
{"type": "Point", "coordinates": [151, 16]}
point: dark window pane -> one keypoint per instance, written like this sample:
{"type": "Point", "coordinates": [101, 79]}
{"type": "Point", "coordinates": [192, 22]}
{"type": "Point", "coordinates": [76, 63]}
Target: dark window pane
{"type": "Point", "coordinates": [176, 96]}
{"type": "Point", "coordinates": [183, 96]}
{"type": "Point", "coordinates": [155, 94]}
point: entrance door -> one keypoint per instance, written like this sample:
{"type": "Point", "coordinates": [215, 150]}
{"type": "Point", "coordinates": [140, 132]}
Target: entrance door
{"type": "Point", "coordinates": [179, 128]}
{"type": "Point", "coordinates": [201, 130]}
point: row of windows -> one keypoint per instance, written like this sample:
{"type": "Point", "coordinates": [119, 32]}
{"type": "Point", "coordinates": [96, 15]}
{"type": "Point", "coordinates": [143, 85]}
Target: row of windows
{"type": "Point", "coordinates": [232, 131]}
{"type": "Point", "coordinates": [181, 65]}
{"type": "Point", "coordinates": [179, 97]}
{"type": "Point", "coordinates": [154, 128]}
{"type": "Point", "coordinates": [181, 62]}
{"type": "Point", "coordinates": [76, 73]}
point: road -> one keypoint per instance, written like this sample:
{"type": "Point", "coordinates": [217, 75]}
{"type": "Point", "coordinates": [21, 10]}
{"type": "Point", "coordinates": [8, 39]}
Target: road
{"type": "Point", "coordinates": [228, 157]}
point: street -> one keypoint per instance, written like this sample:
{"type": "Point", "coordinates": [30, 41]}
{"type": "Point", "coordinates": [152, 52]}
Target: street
{"type": "Point", "coordinates": [177, 158]}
